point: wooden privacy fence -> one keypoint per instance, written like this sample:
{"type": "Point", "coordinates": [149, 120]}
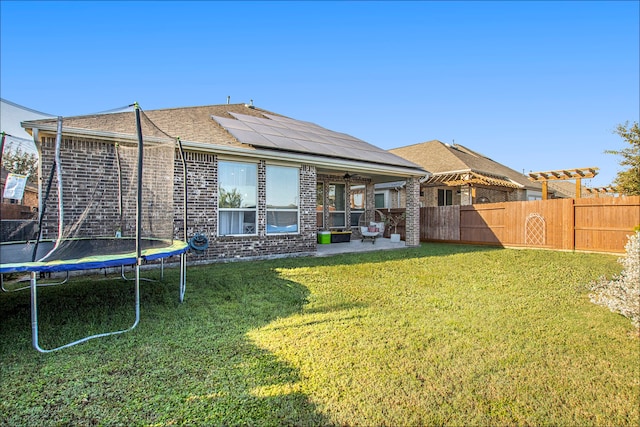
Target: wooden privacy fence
{"type": "Point", "coordinates": [599, 224]}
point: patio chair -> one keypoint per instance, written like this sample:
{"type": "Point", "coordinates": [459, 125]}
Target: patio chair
{"type": "Point", "coordinates": [370, 230]}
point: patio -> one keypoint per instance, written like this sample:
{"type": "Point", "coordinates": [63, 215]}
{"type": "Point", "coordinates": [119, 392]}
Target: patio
{"type": "Point", "coordinates": [358, 246]}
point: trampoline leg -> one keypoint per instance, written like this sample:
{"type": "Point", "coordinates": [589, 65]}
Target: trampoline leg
{"type": "Point", "coordinates": [66, 279]}
{"type": "Point", "coordinates": [126, 278]}
{"type": "Point", "coordinates": [183, 276]}
{"type": "Point", "coordinates": [137, 298]}
{"type": "Point", "coordinates": [34, 312]}
{"type": "Point", "coordinates": [34, 317]}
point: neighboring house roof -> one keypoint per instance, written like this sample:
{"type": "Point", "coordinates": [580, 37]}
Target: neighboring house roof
{"type": "Point", "coordinates": [11, 115]}
{"type": "Point", "coordinates": [457, 165]}
{"type": "Point", "coordinates": [250, 131]}
{"type": "Point", "coordinates": [562, 189]}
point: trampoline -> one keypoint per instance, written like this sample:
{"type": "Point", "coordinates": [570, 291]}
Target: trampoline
{"type": "Point", "coordinates": [83, 254]}
{"type": "Point", "coordinates": [120, 215]}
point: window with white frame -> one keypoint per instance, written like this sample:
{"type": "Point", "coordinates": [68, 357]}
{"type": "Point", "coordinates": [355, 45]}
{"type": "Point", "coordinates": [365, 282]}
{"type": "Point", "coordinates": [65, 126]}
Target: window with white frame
{"type": "Point", "coordinates": [283, 196]}
{"type": "Point", "coordinates": [237, 198]}
{"type": "Point", "coordinates": [357, 197]}
{"type": "Point", "coordinates": [381, 198]}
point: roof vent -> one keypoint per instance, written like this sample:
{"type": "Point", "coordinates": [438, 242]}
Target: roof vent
{"type": "Point", "coordinates": [250, 104]}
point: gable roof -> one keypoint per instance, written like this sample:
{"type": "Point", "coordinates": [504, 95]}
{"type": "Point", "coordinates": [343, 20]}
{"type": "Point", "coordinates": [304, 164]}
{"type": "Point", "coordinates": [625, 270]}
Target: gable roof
{"type": "Point", "coordinates": [246, 130]}
{"type": "Point", "coordinates": [456, 164]}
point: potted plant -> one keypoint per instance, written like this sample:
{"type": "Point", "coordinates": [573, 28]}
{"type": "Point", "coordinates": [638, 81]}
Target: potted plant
{"type": "Point", "coordinates": [394, 220]}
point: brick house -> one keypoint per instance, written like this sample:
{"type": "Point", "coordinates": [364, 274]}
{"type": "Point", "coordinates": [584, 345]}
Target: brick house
{"type": "Point", "coordinates": [461, 176]}
{"type": "Point", "coordinates": [259, 184]}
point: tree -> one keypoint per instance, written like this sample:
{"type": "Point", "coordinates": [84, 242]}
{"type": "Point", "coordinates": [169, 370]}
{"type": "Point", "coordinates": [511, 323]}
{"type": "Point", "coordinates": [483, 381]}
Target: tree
{"type": "Point", "coordinates": [19, 162]}
{"type": "Point", "coordinates": [628, 181]}
{"type": "Point", "coordinates": [230, 199]}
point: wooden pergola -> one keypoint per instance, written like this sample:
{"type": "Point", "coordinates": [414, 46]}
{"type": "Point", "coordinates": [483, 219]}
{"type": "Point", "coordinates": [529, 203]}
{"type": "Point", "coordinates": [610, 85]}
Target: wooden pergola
{"type": "Point", "coordinates": [563, 175]}
{"type": "Point", "coordinates": [600, 190]}
{"type": "Point", "coordinates": [470, 177]}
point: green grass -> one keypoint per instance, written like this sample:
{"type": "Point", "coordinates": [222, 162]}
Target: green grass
{"type": "Point", "coordinates": [436, 335]}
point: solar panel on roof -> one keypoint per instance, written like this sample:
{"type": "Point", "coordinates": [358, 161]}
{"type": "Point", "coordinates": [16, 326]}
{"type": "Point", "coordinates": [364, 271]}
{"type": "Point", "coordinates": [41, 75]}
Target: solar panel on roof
{"type": "Point", "coordinates": [323, 139]}
{"type": "Point", "coordinates": [264, 129]}
{"type": "Point", "coordinates": [251, 137]}
{"type": "Point", "coordinates": [289, 120]}
{"type": "Point", "coordinates": [299, 125]}
{"type": "Point", "coordinates": [245, 118]}
{"type": "Point", "coordinates": [288, 134]}
{"type": "Point", "coordinates": [309, 146]}
{"type": "Point", "coordinates": [286, 143]}
{"type": "Point", "coordinates": [231, 123]}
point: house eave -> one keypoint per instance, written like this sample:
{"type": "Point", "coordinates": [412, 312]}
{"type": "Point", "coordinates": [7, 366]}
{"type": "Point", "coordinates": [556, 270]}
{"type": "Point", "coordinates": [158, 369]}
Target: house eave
{"type": "Point", "coordinates": [322, 162]}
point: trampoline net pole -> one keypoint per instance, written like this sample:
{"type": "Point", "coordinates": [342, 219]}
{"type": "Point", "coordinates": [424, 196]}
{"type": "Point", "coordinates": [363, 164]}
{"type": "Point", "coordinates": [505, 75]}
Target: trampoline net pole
{"type": "Point", "coordinates": [2, 146]}
{"type": "Point", "coordinates": [139, 186]}
{"type": "Point", "coordinates": [185, 204]}
{"type": "Point", "coordinates": [58, 167]}
{"type": "Point", "coordinates": [34, 312]}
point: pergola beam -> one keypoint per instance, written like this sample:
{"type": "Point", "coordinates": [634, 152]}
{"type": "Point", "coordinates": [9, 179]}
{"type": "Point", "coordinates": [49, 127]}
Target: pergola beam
{"type": "Point", "coordinates": [562, 175]}
{"type": "Point", "coordinates": [454, 179]}
{"type": "Point", "coordinates": [598, 190]}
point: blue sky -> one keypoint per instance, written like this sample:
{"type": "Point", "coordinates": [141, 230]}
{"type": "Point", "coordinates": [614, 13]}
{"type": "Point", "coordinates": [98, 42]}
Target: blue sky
{"type": "Point", "coordinates": [533, 85]}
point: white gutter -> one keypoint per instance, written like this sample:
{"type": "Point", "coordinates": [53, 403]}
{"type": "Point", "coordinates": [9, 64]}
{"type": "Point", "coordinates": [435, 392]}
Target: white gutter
{"type": "Point", "coordinates": [321, 161]}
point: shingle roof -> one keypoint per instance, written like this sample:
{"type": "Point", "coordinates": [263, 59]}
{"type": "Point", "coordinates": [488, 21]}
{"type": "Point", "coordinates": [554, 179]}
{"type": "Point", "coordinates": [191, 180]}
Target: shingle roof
{"type": "Point", "coordinates": [189, 123]}
{"type": "Point", "coordinates": [205, 125]}
{"type": "Point", "coordinates": [446, 161]}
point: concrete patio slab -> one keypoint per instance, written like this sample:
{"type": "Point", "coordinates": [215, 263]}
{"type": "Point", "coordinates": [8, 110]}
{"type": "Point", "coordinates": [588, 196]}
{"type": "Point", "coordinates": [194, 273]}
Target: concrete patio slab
{"type": "Point", "coordinates": [355, 246]}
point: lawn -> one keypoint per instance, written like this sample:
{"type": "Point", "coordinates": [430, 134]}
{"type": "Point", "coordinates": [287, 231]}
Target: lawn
{"type": "Point", "coordinates": [436, 335]}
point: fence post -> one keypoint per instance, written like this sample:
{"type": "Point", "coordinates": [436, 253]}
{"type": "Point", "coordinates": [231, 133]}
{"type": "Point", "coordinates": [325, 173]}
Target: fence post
{"type": "Point", "coordinates": [573, 225]}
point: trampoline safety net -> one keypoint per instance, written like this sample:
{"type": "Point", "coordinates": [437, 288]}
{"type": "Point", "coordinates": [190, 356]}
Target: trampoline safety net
{"type": "Point", "coordinates": [98, 181]}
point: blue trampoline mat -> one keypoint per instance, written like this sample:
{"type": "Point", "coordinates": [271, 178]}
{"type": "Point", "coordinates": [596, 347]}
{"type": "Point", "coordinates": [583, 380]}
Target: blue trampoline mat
{"type": "Point", "coordinates": [83, 254]}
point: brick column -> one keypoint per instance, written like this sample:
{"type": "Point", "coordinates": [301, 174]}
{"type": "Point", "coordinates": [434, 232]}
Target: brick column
{"type": "Point", "coordinates": [412, 237]}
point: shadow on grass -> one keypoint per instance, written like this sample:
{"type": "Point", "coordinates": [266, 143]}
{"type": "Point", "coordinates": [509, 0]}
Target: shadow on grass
{"type": "Point", "coordinates": [189, 363]}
